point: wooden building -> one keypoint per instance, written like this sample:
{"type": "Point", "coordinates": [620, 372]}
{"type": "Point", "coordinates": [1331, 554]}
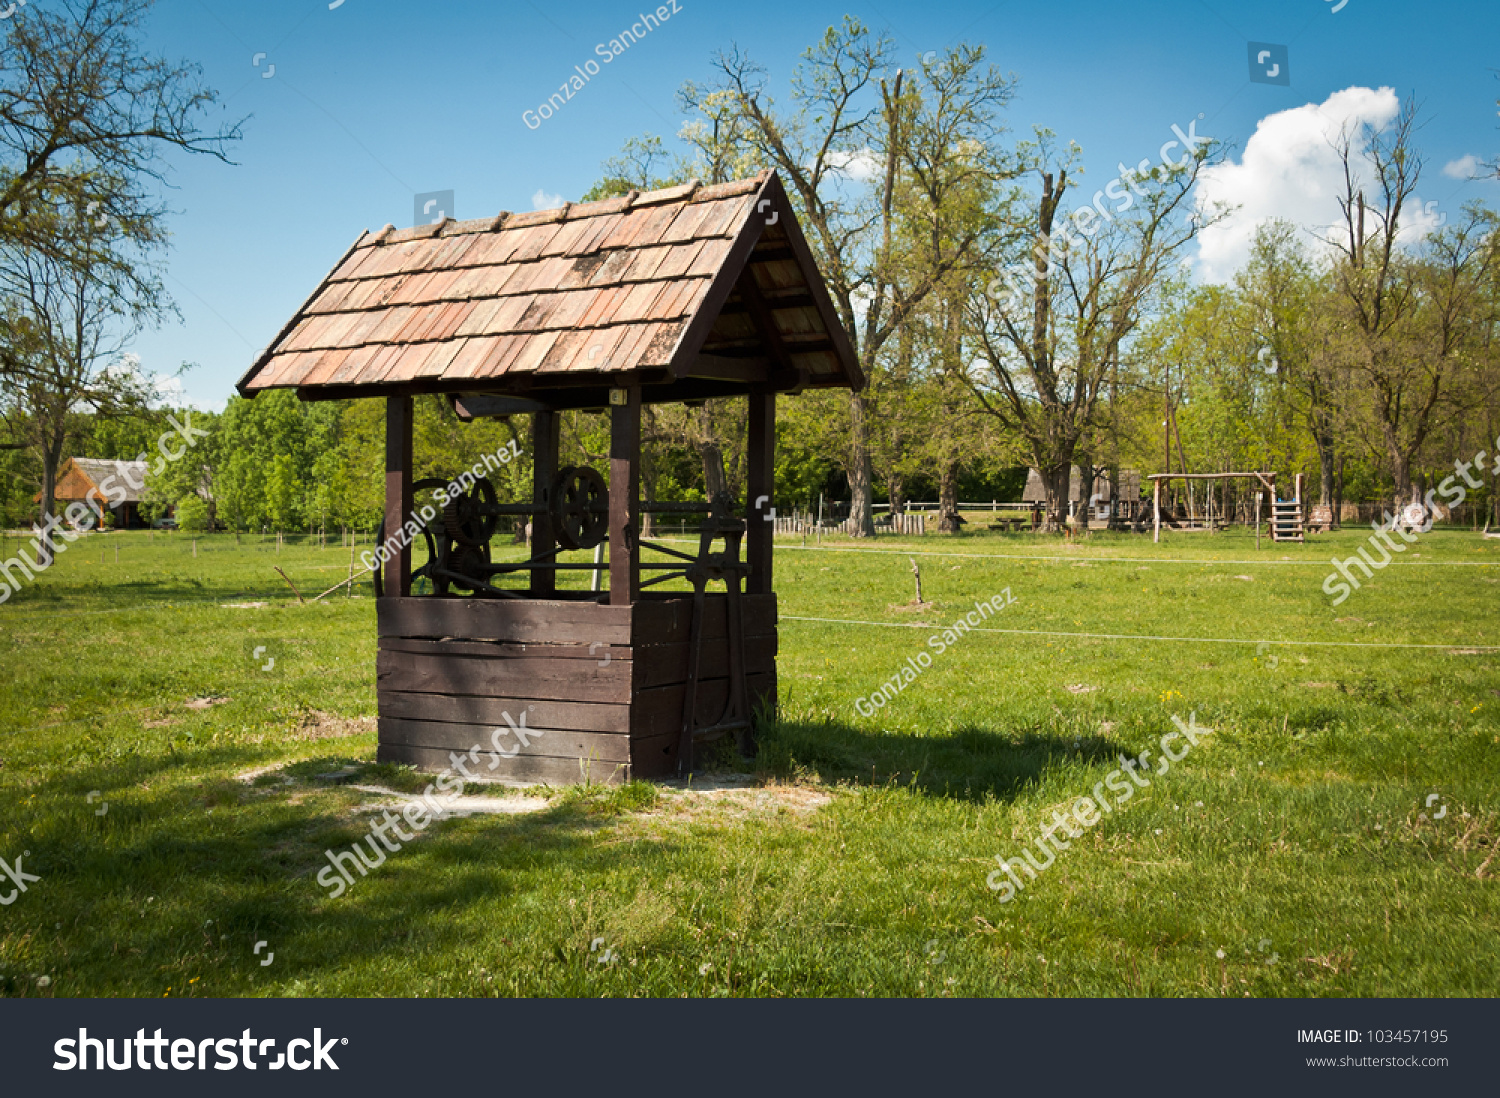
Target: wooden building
{"type": "Point", "coordinates": [101, 485]}
{"type": "Point", "coordinates": [675, 295]}
{"type": "Point", "coordinates": [1104, 511]}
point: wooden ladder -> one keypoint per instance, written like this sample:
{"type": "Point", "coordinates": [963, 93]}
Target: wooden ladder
{"type": "Point", "coordinates": [1286, 519]}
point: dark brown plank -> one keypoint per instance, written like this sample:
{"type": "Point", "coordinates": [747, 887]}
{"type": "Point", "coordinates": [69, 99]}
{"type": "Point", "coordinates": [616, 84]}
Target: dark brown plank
{"type": "Point", "coordinates": [540, 621]}
{"type": "Point", "coordinates": [669, 620]}
{"type": "Point", "coordinates": [398, 493]}
{"type": "Point", "coordinates": [522, 768]}
{"type": "Point", "coordinates": [581, 716]}
{"type": "Point", "coordinates": [545, 435]}
{"type": "Point", "coordinates": [662, 665]}
{"type": "Point", "coordinates": [624, 495]}
{"type": "Point", "coordinates": [654, 756]}
{"type": "Point", "coordinates": [543, 743]}
{"type": "Point", "coordinates": [555, 680]}
{"type": "Point", "coordinates": [658, 711]}
{"type": "Point", "coordinates": [500, 650]}
{"type": "Point", "coordinates": [760, 482]}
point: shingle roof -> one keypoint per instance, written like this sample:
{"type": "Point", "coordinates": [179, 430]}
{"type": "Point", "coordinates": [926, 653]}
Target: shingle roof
{"type": "Point", "coordinates": [98, 470]}
{"type": "Point", "coordinates": [640, 285]}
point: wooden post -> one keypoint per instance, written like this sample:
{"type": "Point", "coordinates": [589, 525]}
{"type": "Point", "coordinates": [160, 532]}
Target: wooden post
{"type": "Point", "coordinates": [760, 485]}
{"type": "Point", "coordinates": [624, 495]}
{"type": "Point", "coordinates": [1257, 519]}
{"type": "Point", "coordinates": [398, 493]}
{"type": "Point", "coordinates": [1156, 509]}
{"type": "Point", "coordinates": [545, 444]}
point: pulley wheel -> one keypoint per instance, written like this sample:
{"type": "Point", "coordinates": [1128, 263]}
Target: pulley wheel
{"type": "Point", "coordinates": [580, 508]}
{"type": "Point", "coordinates": [470, 516]}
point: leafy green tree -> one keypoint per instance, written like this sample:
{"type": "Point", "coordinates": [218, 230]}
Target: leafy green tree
{"type": "Point", "coordinates": [85, 118]}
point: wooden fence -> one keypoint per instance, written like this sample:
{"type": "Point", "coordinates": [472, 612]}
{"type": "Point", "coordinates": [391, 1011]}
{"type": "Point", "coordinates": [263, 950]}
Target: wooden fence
{"type": "Point", "coordinates": [905, 525]}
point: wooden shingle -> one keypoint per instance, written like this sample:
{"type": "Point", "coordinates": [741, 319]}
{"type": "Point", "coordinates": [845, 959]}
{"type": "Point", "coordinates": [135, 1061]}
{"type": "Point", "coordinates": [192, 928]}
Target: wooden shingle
{"type": "Point", "coordinates": [603, 290]}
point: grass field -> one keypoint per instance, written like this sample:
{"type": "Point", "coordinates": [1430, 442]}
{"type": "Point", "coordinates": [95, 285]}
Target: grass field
{"type": "Point", "coordinates": [1293, 851]}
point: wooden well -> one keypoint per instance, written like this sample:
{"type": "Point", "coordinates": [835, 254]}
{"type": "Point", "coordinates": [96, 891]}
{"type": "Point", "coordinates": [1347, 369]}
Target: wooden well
{"type": "Point", "coordinates": [679, 295]}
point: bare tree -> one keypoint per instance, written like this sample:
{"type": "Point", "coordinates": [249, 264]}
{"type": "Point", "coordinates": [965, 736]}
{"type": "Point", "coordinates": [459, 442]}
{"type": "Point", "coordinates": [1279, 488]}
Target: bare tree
{"type": "Point", "coordinates": [85, 117]}
{"type": "Point", "coordinates": [849, 126]}
{"type": "Point", "coordinates": [1050, 339]}
{"type": "Point", "coordinates": [1407, 317]}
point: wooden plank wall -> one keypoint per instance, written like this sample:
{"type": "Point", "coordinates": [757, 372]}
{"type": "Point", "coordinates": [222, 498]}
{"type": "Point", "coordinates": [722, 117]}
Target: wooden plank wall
{"type": "Point", "coordinates": [601, 687]}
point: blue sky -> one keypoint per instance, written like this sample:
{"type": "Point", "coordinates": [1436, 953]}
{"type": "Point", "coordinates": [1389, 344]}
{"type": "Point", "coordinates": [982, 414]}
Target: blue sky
{"type": "Point", "coordinates": [375, 101]}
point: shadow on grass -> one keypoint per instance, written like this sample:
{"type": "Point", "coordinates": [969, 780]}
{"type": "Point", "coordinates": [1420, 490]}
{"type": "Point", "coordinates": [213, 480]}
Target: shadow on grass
{"type": "Point", "coordinates": [182, 883]}
{"type": "Point", "coordinates": [975, 764]}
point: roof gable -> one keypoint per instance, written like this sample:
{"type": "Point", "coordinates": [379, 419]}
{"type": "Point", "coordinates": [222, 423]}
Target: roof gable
{"type": "Point", "coordinates": [80, 476]}
{"type": "Point", "coordinates": [679, 283]}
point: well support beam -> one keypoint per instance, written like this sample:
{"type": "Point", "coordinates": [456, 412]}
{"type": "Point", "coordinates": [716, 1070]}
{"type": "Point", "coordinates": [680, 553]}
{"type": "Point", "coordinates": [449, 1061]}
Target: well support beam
{"type": "Point", "coordinates": [398, 493]}
{"type": "Point", "coordinates": [760, 487]}
{"type": "Point", "coordinates": [624, 495]}
{"type": "Point", "coordinates": [546, 437]}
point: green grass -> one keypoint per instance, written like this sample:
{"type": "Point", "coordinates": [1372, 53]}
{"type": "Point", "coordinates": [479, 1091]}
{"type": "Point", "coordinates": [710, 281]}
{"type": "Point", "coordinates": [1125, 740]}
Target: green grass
{"type": "Point", "coordinates": [857, 865]}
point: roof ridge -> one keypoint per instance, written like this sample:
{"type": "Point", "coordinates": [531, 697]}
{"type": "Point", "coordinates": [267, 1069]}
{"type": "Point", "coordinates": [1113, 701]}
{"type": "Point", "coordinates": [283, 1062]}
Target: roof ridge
{"type": "Point", "coordinates": [691, 191]}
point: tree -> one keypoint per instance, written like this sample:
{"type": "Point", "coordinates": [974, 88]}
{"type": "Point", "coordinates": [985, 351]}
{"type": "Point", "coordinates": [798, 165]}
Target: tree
{"type": "Point", "coordinates": [1283, 291]}
{"type": "Point", "coordinates": [1407, 319]}
{"type": "Point", "coordinates": [67, 326]}
{"type": "Point", "coordinates": [85, 116]}
{"type": "Point", "coordinates": [1052, 332]}
{"type": "Point", "coordinates": [186, 486]}
{"type": "Point", "coordinates": [632, 170]}
{"type": "Point", "coordinates": [841, 148]}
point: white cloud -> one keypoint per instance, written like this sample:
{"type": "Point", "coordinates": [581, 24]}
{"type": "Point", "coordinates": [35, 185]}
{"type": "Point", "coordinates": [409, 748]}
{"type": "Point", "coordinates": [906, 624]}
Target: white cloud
{"type": "Point", "coordinates": [544, 201]}
{"type": "Point", "coordinates": [1465, 167]}
{"type": "Point", "coordinates": [1290, 170]}
{"type": "Point", "coordinates": [172, 393]}
{"type": "Point", "coordinates": [859, 166]}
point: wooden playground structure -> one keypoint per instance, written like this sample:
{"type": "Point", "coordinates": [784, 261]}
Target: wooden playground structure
{"type": "Point", "coordinates": [1287, 522]}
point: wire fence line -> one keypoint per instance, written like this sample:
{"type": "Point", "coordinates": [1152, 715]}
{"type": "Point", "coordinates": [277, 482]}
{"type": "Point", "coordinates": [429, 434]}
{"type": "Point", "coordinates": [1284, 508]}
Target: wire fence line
{"type": "Point", "coordinates": [1139, 637]}
{"type": "Point", "coordinates": [782, 548]}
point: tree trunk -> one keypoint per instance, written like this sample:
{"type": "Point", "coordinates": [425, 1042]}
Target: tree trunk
{"type": "Point", "coordinates": [712, 455]}
{"type": "Point", "coordinates": [714, 480]}
{"type": "Point", "coordinates": [1338, 496]}
{"type": "Point", "coordinates": [1056, 479]}
{"type": "Point", "coordinates": [861, 471]}
{"type": "Point", "coordinates": [1401, 474]}
{"type": "Point", "coordinates": [51, 462]}
{"type": "Point", "coordinates": [894, 489]}
{"type": "Point", "coordinates": [948, 499]}
{"type": "Point", "coordinates": [1322, 434]}
{"type": "Point", "coordinates": [649, 473]}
